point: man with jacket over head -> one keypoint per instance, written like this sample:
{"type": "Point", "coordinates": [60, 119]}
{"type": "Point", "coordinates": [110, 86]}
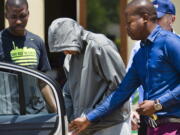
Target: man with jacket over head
{"type": "Point", "coordinates": [94, 68]}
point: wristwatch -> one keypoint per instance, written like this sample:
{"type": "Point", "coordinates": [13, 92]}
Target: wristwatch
{"type": "Point", "coordinates": [157, 105]}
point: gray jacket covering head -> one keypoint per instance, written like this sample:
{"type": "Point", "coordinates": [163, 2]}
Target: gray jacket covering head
{"type": "Point", "coordinates": [92, 74]}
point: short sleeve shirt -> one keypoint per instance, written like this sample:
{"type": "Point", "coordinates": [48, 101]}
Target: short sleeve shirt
{"type": "Point", "coordinates": [28, 50]}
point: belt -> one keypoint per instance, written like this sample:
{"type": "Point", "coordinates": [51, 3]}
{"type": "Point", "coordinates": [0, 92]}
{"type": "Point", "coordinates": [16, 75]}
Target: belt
{"type": "Point", "coordinates": [151, 122]}
{"type": "Point", "coordinates": [167, 120]}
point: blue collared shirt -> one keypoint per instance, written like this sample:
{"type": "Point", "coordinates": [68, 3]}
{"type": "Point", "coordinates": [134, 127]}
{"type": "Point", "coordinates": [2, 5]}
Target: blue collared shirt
{"type": "Point", "coordinates": [156, 66]}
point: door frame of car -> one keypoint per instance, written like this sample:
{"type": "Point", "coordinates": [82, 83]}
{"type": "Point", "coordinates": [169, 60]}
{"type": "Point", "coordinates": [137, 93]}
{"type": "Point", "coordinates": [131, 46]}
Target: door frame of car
{"type": "Point", "coordinates": [62, 118]}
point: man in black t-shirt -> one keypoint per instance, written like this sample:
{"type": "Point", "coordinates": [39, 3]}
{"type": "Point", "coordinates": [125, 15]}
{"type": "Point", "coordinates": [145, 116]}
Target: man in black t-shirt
{"type": "Point", "coordinates": [21, 47]}
{"type": "Point", "coordinates": [27, 50]}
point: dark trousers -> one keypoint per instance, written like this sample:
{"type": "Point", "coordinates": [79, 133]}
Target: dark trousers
{"type": "Point", "coordinates": [143, 126]}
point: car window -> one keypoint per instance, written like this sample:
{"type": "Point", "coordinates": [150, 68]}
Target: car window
{"type": "Point", "coordinates": [22, 94]}
{"type": "Point", "coordinates": [32, 99]}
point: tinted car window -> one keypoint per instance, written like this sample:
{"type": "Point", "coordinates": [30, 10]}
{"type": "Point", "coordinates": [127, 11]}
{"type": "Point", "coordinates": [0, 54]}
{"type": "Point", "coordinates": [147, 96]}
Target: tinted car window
{"type": "Point", "coordinates": [9, 94]}
{"type": "Point", "coordinates": [22, 94]}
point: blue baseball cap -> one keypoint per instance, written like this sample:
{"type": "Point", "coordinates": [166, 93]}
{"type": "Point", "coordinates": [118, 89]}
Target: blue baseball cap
{"type": "Point", "coordinates": [164, 7]}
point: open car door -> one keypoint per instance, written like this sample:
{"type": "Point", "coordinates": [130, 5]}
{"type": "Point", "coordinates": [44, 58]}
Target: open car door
{"type": "Point", "coordinates": [30, 103]}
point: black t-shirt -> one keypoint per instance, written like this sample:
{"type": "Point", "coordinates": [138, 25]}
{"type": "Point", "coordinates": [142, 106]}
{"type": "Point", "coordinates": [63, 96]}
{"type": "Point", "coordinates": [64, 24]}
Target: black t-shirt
{"type": "Point", "coordinates": [28, 50]}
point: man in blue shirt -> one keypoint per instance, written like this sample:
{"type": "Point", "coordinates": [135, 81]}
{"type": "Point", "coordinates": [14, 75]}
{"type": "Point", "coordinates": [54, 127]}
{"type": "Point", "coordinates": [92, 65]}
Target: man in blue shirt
{"type": "Point", "coordinates": [155, 66]}
{"type": "Point", "coordinates": [166, 12]}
